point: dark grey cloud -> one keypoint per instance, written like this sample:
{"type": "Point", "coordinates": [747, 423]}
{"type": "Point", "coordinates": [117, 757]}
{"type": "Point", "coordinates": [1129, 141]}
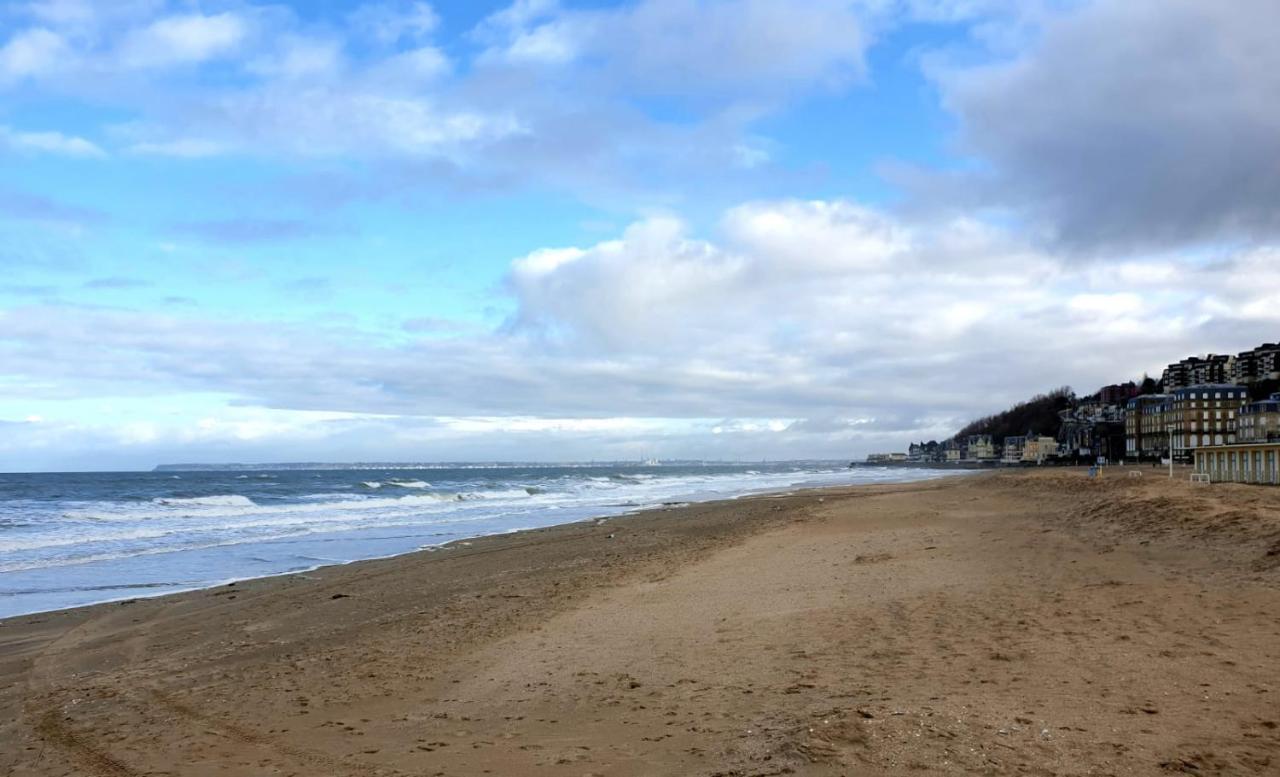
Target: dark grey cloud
{"type": "Point", "coordinates": [1129, 123]}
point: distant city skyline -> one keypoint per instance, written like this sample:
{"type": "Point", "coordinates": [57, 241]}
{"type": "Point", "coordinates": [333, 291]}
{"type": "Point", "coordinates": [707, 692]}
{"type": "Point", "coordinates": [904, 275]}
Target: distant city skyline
{"type": "Point", "coordinates": [396, 230]}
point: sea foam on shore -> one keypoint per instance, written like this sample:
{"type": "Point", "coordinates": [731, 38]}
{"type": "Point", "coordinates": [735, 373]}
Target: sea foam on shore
{"type": "Point", "coordinates": [75, 539]}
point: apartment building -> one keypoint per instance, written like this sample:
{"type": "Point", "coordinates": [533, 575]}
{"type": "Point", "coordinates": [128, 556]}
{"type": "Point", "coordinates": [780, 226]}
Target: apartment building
{"type": "Point", "coordinates": [1260, 421]}
{"type": "Point", "coordinates": [1214, 369]}
{"type": "Point", "coordinates": [1203, 415]}
{"type": "Point", "coordinates": [1117, 394]}
{"type": "Point", "coordinates": [1261, 363]}
{"type": "Point", "coordinates": [1145, 434]}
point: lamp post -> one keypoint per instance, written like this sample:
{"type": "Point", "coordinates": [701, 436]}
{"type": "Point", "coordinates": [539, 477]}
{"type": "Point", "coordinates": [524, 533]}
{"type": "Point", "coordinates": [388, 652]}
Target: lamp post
{"type": "Point", "coordinates": [1170, 428]}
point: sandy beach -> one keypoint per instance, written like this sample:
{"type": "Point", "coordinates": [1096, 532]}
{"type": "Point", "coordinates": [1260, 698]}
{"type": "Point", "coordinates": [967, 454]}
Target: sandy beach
{"type": "Point", "coordinates": [1008, 623]}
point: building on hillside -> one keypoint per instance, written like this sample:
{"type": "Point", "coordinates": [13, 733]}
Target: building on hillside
{"type": "Point", "coordinates": [1203, 415]}
{"type": "Point", "coordinates": [950, 451]}
{"type": "Point", "coordinates": [1214, 369]}
{"type": "Point", "coordinates": [1144, 428]}
{"type": "Point", "coordinates": [1261, 363]}
{"type": "Point", "coordinates": [1037, 448]}
{"type": "Point", "coordinates": [1013, 449]}
{"type": "Point", "coordinates": [932, 451]}
{"type": "Point", "coordinates": [1091, 429]}
{"type": "Point", "coordinates": [879, 458]}
{"type": "Point", "coordinates": [1118, 394]}
{"type": "Point", "coordinates": [1260, 421]}
{"type": "Point", "coordinates": [980, 447]}
{"type": "Point", "coordinates": [1247, 462]}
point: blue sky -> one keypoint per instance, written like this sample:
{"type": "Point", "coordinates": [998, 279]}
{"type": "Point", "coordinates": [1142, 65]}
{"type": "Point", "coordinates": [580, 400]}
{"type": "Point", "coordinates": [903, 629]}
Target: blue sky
{"type": "Point", "coordinates": [555, 230]}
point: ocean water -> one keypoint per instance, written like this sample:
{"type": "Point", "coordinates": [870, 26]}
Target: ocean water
{"type": "Point", "coordinates": [74, 539]}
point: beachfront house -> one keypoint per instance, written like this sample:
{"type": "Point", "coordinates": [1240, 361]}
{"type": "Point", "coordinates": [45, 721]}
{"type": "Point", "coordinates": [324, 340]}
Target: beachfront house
{"type": "Point", "coordinates": [980, 447]}
{"type": "Point", "coordinates": [1037, 448]}
{"type": "Point", "coordinates": [1013, 450]}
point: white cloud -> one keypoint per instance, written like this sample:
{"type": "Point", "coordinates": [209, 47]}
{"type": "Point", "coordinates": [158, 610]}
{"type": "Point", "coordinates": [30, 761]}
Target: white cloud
{"type": "Point", "coordinates": [32, 53]}
{"type": "Point", "coordinates": [410, 69]}
{"type": "Point", "coordinates": [547, 44]}
{"type": "Point", "coordinates": [380, 88]}
{"type": "Point", "coordinates": [183, 39]}
{"type": "Point", "coordinates": [828, 326]}
{"type": "Point", "coordinates": [183, 148]}
{"type": "Point", "coordinates": [88, 16]}
{"type": "Point", "coordinates": [296, 57]}
{"type": "Point", "coordinates": [688, 47]}
{"type": "Point", "coordinates": [62, 13]}
{"type": "Point", "coordinates": [390, 22]}
{"type": "Point", "coordinates": [836, 236]}
{"type": "Point", "coordinates": [317, 120]}
{"type": "Point", "coordinates": [50, 143]}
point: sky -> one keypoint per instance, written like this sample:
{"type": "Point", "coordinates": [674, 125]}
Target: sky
{"type": "Point", "coordinates": [397, 230]}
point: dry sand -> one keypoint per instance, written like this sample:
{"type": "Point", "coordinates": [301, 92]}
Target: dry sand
{"type": "Point", "coordinates": [1038, 623]}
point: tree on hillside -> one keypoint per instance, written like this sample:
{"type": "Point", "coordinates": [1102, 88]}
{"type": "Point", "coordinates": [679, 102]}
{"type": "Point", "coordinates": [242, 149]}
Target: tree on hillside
{"type": "Point", "coordinates": [1038, 415]}
{"type": "Point", "coordinates": [1263, 389]}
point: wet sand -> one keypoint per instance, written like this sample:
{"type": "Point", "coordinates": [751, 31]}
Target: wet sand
{"type": "Point", "coordinates": [1010, 623]}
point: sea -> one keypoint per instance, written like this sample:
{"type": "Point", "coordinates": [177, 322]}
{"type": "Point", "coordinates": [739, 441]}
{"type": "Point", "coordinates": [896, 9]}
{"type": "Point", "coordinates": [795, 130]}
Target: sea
{"type": "Point", "coordinates": [82, 538]}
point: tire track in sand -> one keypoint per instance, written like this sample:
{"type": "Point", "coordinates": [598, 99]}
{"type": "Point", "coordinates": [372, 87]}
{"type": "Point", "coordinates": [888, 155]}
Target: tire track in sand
{"type": "Point", "coordinates": [332, 764]}
{"type": "Point", "coordinates": [97, 762]}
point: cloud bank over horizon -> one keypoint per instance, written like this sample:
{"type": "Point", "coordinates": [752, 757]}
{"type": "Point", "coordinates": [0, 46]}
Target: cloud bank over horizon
{"type": "Point", "coordinates": [685, 228]}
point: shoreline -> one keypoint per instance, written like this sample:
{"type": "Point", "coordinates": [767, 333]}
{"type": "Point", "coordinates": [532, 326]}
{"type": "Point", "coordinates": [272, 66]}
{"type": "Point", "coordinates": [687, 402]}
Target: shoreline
{"type": "Point", "coordinates": [446, 545]}
{"type": "Point", "coordinates": [1002, 624]}
{"type": "Point", "coordinates": [425, 552]}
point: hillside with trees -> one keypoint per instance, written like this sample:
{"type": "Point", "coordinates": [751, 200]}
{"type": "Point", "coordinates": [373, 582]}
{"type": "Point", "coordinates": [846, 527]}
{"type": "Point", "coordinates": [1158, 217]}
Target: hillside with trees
{"type": "Point", "coordinates": [1038, 415]}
